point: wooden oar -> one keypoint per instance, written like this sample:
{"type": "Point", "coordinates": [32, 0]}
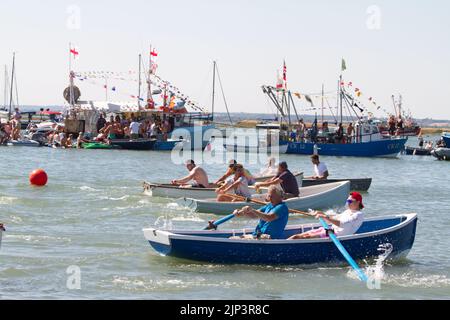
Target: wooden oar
{"type": "Point", "coordinates": [237, 197]}
{"type": "Point", "coordinates": [362, 276]}
{"type": "Point", "coordinates": [212, 225]}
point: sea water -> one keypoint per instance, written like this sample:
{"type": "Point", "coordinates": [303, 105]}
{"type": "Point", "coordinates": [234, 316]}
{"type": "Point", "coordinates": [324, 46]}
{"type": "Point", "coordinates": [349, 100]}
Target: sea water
{"type": "Point", "coordinates": [86, 226]}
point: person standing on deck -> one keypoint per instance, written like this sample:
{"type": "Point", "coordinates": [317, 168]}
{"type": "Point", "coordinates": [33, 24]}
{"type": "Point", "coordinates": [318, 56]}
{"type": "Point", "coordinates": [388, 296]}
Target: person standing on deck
{"type": "Point", "coordinates": [344, 224]}
{"type": "Point", "coordinates": [134, 129]}
{"type": "Point", "coordinates": [197, 175]}
{"type": "Point", "coordinates": [300, 134]}
{"type": "Point", "coordinates": [320, 169]}
{"type": "Point", "coordinates": [285, 178]}
{"type": "Point", "coordinates": [273, 217]}
{"type": "Point", "coordinates": [350, 132]}
{"type": "Point", "coordinates": [100, 122]}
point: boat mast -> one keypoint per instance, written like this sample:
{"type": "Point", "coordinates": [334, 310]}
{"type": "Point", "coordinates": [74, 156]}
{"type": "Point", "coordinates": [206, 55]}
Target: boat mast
{"type": "Point", "coordinates": [149, 82]}
{"type": "Point", "coordinates": [340, 95]}
{"type": "Point", "coordinates": [139, 84]}
{"type": "Point", "coordinates": [213, 89]}
{"type": "Point", "coordinates": [322, 100]}
{"type": "Point", "coordinates": [12, 85]}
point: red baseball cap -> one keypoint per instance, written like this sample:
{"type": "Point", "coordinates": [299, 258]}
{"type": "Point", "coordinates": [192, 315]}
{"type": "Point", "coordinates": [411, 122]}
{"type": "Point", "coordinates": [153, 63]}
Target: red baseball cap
{"type": "Point", "coordinates": [357, 196]}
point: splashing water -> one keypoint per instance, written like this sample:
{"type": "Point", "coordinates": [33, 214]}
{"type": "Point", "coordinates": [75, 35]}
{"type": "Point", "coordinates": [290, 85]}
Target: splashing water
{"type": "Point", "coordinates": [163, 222]}
{"type": "Point", "coordinates": [376, 272]}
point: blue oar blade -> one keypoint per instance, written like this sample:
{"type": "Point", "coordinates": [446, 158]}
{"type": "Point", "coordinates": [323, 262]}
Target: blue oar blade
{"type": "Point", "coordinates": [362, 276]}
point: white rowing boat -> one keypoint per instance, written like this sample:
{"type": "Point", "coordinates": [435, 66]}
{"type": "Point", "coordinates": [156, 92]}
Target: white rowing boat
{"type": "Point", "coordinates": [172, 191]}
{"type": "Point", "coordinates": [315, 197]}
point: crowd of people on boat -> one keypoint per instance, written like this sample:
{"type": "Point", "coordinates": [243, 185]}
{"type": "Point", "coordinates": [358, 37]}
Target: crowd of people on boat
{"type": "Point", "coordinates": [301, 133]}
{"type": "Point", "coordinates": [122, 128]}
{"type": "Point", "coordinates": [10, 130]}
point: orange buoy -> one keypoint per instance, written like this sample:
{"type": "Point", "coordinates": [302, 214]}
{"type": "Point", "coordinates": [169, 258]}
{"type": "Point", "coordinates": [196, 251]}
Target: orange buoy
{"type": "Point", "coordinates": [38, 177]}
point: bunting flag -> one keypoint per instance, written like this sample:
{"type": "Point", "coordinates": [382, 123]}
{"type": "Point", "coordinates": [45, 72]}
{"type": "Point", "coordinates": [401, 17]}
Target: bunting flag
{"type": "Point", "coordinates": [153, 53]}
{"type": "Point", "coordinates": [284, 74]}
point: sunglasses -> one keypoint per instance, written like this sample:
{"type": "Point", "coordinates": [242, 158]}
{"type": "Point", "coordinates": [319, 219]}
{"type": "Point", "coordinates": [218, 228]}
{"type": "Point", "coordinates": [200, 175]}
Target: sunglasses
{"type": "Point", "coordinates": [350, 201]}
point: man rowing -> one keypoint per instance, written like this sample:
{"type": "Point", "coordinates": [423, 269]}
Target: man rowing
{"type": "Point", "coordinates": [197, 175]}
{"type": "Point", "coordinates": [273, 216]}
{"type": "Point", "coordinates": [285, 178]}
{"type": "Point", "coordinates": [344, 224]}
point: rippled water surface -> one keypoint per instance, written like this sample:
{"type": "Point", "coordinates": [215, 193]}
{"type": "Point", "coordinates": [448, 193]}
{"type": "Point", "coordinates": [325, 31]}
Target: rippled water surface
{"type": "Point", "coordinates": [92, 212]}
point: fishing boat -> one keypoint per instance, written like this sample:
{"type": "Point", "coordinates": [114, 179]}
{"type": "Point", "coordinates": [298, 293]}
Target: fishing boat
{"type": "Point", "coordinates": [441, 153]}
{"type": "Point", "coordinates": [133, 144]}
{"type": "Point", "coordinates": [365, 141]}
{"type": "Point", "coordinates": [361, 184]}
{"type": "Point", "coordinates": [323, 196]}
{"type": "Point", "coordinates": [172, 191]}
{"type": "Point", "coordinates": [417, 151]}
{"type": "Point", "coordinates": [214, 246]}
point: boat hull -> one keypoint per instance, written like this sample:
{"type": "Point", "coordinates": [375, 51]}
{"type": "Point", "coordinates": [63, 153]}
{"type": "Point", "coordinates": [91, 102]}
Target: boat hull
{"type": "Point", "coordinates": [362, 184]}
{"type": "Point", "coordinates": [314, 197]}
{"type": "Point", "coordinates": [417, 151]}
{"type": "Point", "coordinates": [170, 191]}
{"type": "Point", "coordinates": [135, 144]}
{"type": "Point", "coordinates": [280, 149]}
{"type": "Point", "coordinates": [215, 247]}
{"type": "Point", "coordinates": [380, 148]}
{"type": "Point", "coordinates": [441, 153]}
{"type": "Point", "coordinates": [24, 143]}
{"type": "Point", "coordinates": [446, 138]}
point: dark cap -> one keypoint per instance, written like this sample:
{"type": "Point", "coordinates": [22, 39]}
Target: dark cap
{"type": "Point", "coordinates": [190, 161]}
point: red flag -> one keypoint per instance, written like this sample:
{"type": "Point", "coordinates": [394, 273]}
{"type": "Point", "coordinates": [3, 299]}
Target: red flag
{"type": "Point", "coordinates": [74, 52]}
{"type": "Point", "coordinates": [153, 53]}
{"type": "Point", "coordinates": [284, 70]}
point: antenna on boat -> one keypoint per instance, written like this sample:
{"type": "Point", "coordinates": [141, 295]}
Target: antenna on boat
{"type": "Point", "coordinates": [12, 85]}
{"type": "Point", "coordinates": [213, 89]}
{"type": "Point", "coordinates": [322, 100]}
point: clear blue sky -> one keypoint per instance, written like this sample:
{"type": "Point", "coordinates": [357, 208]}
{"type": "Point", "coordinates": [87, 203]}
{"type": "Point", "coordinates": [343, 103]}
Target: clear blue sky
{"type": "Point", "coordinates": [409, 54]}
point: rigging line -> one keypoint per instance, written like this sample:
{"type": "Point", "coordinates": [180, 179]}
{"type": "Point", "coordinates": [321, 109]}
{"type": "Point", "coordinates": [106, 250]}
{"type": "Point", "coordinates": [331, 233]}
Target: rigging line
{"type": "Point", "coordinates": [17, 90]}
{"type": "Point", "coordinates": [223, 94]}
{"type": "Point", "coordinates": [331, 110]}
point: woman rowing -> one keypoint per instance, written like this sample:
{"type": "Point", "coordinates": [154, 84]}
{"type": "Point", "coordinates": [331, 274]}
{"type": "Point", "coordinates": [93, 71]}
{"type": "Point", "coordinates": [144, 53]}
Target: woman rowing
{"type": "Point", "coordinates": [238, 183]}
{"type": "Point", "coordinates": [230, 172]}
{"type": "Point", "coordinates": [344, 224]}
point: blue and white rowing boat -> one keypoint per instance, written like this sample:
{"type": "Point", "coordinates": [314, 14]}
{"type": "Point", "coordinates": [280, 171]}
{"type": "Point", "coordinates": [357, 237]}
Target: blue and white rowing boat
{"type": "Point", "coordinates": [216, 247]}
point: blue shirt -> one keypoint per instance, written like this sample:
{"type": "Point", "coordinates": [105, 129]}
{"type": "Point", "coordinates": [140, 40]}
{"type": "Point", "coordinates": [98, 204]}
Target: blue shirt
{"type": "Point", "coordinates": [276, 227]}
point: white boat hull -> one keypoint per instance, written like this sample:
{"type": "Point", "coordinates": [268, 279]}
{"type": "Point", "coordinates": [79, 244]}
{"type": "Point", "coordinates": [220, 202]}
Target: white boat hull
{"type": "Point", "coordinates": [170, 191]}
{"type": "Point", "coordinates": [316, 197]}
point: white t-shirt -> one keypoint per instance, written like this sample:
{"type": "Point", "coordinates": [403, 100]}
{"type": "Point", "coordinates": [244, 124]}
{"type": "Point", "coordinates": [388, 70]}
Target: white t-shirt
{"type": "Point", "coordinates": [350, 222]}
{"type": "Point", "coordinates": [242, 189]}
{"type": "Point", "coordinates": [153, 131]}
{"type": "Point", "coordinates": [134, 127]}
{"type": "Point", "coordinates": [320, 169]}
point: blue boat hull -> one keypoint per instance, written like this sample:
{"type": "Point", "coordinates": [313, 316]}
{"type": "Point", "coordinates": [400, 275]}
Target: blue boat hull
{"type": "Point", "coordinates": [215, 247]}
{"type": "Point", "coordinates": [446, 138]}
{"type": "Point", "coordinates": [381, 148]}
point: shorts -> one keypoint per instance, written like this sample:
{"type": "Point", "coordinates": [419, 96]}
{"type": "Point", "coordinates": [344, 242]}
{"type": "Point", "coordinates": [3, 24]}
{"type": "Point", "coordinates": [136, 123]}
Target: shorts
{"type": "Point", "coordinates": [321, 233]}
